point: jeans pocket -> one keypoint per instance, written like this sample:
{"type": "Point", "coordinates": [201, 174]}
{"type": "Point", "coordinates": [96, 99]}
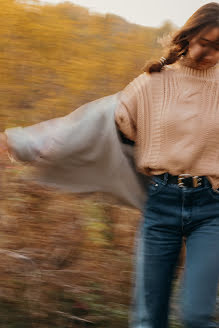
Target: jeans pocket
{"type": "Point", "coordinates": [214, 193]}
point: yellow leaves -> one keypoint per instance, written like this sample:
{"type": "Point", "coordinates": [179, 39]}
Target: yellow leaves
{"type": "Point", "coordinates": [52, 56]}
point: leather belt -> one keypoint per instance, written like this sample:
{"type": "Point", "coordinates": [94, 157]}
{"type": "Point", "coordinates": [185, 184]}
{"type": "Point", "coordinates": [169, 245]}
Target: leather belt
{"type": "Point", "coordinates": [184, 180]}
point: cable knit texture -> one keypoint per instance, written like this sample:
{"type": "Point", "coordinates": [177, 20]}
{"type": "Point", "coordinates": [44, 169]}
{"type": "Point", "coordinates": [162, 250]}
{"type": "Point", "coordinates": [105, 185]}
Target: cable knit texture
{"type": "Point", "coordinates": [173, 117]}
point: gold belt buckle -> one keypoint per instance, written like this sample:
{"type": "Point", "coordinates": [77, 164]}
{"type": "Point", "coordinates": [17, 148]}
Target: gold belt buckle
{"type": "Point", "coordinates": [195, 179]}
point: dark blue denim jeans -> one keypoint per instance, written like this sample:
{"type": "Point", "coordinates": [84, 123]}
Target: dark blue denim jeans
{"type": "Point", "coordinates": [170, 213]}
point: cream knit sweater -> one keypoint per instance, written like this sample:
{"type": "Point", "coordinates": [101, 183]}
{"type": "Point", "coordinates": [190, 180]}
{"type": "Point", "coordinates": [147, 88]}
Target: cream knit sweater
{"type": "Point", "coordinates": [173, 117]}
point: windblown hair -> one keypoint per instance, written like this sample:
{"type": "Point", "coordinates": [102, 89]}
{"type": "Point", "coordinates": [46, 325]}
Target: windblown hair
{"type": "Point", "coordinates": [206, 17]}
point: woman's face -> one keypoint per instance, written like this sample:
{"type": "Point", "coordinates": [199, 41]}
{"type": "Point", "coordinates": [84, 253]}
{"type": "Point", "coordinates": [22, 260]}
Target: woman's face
{"type": "Point", "coordinates": [203, 49]}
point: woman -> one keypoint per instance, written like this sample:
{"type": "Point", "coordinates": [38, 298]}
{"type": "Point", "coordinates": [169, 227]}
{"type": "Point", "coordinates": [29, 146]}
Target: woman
{"type": "Point", "coordinates": [171, 115]}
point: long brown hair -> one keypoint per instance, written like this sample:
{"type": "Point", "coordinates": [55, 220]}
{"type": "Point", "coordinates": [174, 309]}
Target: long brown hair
{"type": "Point", "coordinates": [206, 16]}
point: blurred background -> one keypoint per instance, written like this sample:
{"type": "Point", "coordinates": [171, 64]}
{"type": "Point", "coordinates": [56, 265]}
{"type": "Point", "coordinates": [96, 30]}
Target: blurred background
{"type": "Point", "coordinates": [67, 260]}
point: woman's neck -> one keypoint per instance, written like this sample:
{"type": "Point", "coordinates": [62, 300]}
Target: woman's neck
{"type": "Point", "coordinates": [183, 66]}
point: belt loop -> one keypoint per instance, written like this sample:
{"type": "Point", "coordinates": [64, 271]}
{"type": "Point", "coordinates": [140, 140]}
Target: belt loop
{"type": "Point", "coordinates": [165, 178]}
{"type": "Point", "coordinates": [206, 182]}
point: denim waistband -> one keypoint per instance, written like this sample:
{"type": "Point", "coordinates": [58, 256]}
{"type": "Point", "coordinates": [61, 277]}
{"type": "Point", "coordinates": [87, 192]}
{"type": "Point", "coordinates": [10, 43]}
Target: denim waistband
{"type": "Point", "coordinates": [163, 178]}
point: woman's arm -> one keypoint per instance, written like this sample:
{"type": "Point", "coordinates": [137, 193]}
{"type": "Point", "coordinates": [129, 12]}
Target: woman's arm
{"type": "Point", "coordinates": [126, 112]}
{"type": "Point", "coordinates": [74, 138]}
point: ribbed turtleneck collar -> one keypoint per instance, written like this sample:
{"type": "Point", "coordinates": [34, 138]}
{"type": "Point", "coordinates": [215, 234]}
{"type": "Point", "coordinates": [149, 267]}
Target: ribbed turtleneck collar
{"type": "Point", "coordinates": [209, 73]}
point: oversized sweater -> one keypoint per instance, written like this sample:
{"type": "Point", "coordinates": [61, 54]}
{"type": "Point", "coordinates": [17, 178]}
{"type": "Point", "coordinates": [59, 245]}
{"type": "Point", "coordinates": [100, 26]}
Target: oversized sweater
{"type": "Point", "coordinates": [173, 117]}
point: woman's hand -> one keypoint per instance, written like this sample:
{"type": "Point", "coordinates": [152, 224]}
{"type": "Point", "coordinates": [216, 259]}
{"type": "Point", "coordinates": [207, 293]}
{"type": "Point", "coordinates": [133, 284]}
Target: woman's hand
{"type": "Point", "coordinates": [3, 143]}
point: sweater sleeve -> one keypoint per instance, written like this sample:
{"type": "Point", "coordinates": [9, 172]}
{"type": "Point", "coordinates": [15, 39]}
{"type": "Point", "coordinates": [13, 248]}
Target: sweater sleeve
{"type": "Point", "coordinates": [28, 144]}
{"type": "Point", "coordinates": [126, 111]}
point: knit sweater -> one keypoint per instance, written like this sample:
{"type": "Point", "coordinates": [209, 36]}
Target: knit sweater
{"type": "Point", "coordinates": [173, 117]}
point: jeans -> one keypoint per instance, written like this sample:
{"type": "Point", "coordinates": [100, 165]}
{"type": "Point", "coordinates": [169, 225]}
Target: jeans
{"type": "Point", "coordinates": [170, 214]}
